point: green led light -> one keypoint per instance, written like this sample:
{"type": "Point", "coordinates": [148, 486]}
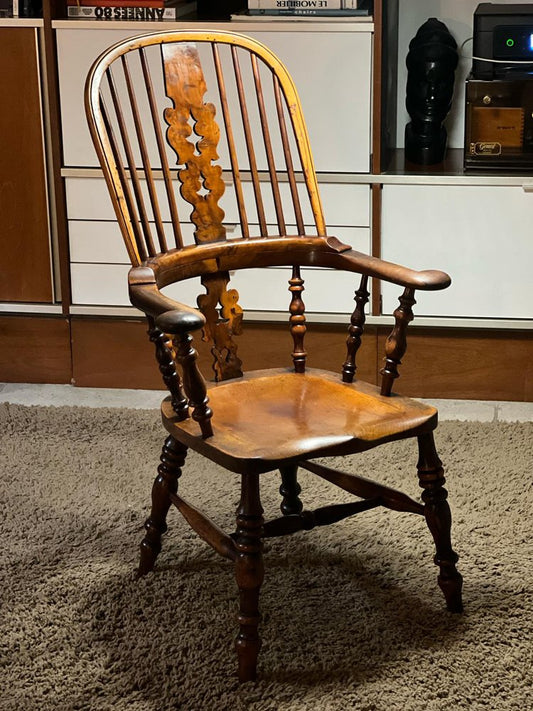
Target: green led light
{"type": "Point", "coordinates": [510, 42]}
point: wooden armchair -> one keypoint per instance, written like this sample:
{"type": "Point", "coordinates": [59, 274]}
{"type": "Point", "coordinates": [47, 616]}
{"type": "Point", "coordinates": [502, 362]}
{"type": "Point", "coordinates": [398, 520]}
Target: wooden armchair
{"type": "Point", "coordinates": [170, 146]}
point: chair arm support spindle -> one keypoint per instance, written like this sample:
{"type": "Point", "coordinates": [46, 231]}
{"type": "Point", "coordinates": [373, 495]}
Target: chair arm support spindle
{"type": "Point", "coordinates": [193, 383]}
{"type": "Point", "coordinates": [297, 320]}
{"type": "Point", "coordinates": [396, 343]}
{"type": "Point", "coordinates": [167, 367]}
{"type": "Point", "coordinates": [355, 331]}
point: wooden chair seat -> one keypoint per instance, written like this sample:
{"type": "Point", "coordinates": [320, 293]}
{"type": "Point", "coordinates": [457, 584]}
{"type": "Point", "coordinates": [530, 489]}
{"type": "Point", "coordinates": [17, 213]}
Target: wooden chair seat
{"type": "Point", "coordinates": [271, 416]}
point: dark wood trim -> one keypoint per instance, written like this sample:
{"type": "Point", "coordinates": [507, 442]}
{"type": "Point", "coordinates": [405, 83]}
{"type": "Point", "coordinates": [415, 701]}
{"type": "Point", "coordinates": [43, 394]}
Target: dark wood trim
{"type": "Point", "coordinates": [26, 273]}
{"type": "Point", "coordinates": [377, 92]}
{"type": "Point", "coordinates": [387, 83]}
{"type": "Point", "coordinates": [375, 196]}
{"type": "Point", "coordinates": [53, 9]}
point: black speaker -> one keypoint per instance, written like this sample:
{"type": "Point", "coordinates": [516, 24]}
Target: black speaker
{"type": "Point", "coordinates": [219, 9]}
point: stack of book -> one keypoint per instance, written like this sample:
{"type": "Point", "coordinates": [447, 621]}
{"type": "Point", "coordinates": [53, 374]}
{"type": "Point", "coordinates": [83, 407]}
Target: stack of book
{"type": "Point", "coordinates": [129, 9]}
{"type": "Point", "coordinates": [305, 9]}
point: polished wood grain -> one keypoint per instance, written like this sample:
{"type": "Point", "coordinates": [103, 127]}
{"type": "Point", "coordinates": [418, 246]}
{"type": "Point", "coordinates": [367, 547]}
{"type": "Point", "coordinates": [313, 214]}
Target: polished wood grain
{"type": "Point", "coordinates": [324, 516]}
{"type": "Point", "coordinates": [186, 86]}
{"type": "Point", "coordinates": [290, 490]}
{"type": "Point", "coordinates": [440, 363]}
{"type": "Point", "coordinates": [223, 315]}
{"type": "Point", "coordinates": [297, 320]}
{"type": "Point", "coordinates": [193, 383]}
{"type": "Point", "coordinates": [365, 488]}
{"type": "Point", "coordinates": [272, 416]}
{"type": "Point", "coordinates": [26, 272]}
{"type": "Point", "coordinates": [205, 528]}
{"type": "Point", "coordinates": [249, 574]}
{"type": "Point", "coordinates": [250, 422]}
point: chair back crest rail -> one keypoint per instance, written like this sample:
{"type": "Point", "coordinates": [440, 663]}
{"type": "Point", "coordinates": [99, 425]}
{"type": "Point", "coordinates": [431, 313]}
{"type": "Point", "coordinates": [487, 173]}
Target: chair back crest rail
{"type": "Point", "coordinates": [205, 129]}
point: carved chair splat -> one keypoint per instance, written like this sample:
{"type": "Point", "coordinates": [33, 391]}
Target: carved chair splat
{"type": "Point", "coordinates": [196, 128]}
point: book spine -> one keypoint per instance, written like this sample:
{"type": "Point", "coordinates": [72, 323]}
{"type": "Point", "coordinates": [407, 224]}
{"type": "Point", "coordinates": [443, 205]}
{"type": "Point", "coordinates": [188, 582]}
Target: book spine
{"type": "Point", "coordinates": [308, 13]}
{"type": "Point", "coordinates": [122, 13]}
{"type": "Point", "coordinates": [115, 3]}
{"type": "Point", "coordinates": [303, 4]}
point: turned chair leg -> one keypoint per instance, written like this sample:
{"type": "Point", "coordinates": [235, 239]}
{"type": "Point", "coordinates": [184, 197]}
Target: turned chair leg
{"type": "Point", "coordinates": [439, 520]}
{"type": "Point", "coordinates": [290, 489]}
{"type": "Point", "coordinates": [166, 482]}
{"type": "Point", "coordinates": [249, 573]}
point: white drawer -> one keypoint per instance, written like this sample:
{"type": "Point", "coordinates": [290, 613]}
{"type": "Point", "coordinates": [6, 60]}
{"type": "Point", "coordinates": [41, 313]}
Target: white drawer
{"type": "Point", "coordinates": [344, 204]}
{"type": "Point", "coordinates": [332, 72]}
{"type": "Point", "coordinates": [479, 235]}
{"type": "Point", "coordinates": [326, 291]}
{"type": "Point", "coordinates": [98, 242]}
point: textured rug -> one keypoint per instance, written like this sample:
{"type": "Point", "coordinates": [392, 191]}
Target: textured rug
{"type": "Point", "coordinates": [353, 617]}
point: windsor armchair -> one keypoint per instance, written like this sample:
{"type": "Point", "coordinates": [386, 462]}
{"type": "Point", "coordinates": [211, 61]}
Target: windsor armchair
{"type": "Point", "coordinates": [157, 125]}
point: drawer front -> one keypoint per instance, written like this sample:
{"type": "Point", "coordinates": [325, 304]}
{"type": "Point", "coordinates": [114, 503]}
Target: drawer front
{"type": "Point", "coordinates": [337, 111]}
{"type": "Point", "coordinates": [326, 291]}
{"type": "Point", "coordinates": [101, 242]}
{"type": "Point", "coordinates": [102, 280]}
{"type": "Point", "coordinates": [478, 235]}
{"type": "Point", "coordinates": [344, 204]}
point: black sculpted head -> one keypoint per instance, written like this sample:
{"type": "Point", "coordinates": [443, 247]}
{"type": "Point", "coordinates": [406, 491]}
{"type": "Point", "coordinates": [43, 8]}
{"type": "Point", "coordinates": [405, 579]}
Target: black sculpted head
{"type": "Point", "coordinates": [431, 63]}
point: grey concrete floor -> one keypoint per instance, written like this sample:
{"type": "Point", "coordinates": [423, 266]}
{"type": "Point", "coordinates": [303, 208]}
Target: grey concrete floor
{"type": "Point", "coordinates": [30, 394]}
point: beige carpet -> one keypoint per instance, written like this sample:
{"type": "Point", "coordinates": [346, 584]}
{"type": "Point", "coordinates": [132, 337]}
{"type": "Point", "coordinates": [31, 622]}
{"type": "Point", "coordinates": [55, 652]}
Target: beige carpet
{"type": "Point", "coordinates": [353, 618]}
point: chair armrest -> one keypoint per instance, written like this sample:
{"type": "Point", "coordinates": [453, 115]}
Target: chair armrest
{"type": "Point", "coordinates": [351, 260]}
{"type": "Point", "coordinates": [170, 316]}
{"type": "Point", "coordinates": [304, 250]}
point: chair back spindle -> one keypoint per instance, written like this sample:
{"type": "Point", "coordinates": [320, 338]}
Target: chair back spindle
{"type": "Point", "coordinates": [175, 128]}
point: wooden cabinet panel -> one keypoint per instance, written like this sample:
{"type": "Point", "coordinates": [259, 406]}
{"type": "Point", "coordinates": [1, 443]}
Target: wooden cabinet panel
{"type": "Point", "coordinates": [34, 349]}
{"type": "Point", "coordinates": [25, 267]}
{"type": "Point", "coordinates": [117, 353]}
{"type": "Point", "coordinates": [467, 365]}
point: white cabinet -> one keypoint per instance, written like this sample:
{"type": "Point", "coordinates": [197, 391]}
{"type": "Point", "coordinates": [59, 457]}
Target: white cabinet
{"type": "Point", "coordinates": [99, 262]}
{"type": "Point", "coordinates": [480, 235]}
{"type": "Point", "coordinates": [331, 70]}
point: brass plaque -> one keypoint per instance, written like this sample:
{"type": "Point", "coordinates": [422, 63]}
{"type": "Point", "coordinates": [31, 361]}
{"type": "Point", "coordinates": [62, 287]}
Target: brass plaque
{"type": "Point", "coordinates": [497, 124]}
